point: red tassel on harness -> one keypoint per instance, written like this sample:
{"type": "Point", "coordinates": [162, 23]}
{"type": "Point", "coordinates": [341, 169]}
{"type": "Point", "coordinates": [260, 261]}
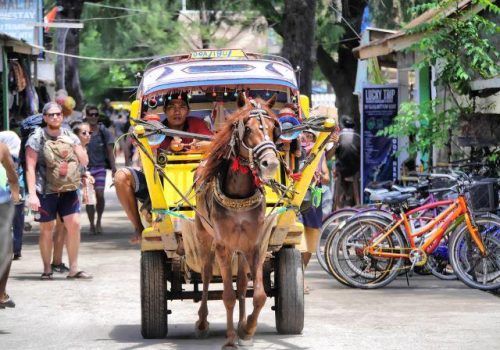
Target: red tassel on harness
{"type": "Point", "coordinates": [236, 166]}
{"type": "Point", "coordinates": [296, 176]}
{"type": "Point", "coordinates": [258, 182]}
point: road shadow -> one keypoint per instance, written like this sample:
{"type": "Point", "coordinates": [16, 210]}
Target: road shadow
{"type": "Point", "coordinates": [182, 336]}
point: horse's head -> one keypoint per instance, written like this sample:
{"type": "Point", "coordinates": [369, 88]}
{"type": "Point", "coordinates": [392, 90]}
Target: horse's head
{"type": "Point", "coordinates": [255, 136]}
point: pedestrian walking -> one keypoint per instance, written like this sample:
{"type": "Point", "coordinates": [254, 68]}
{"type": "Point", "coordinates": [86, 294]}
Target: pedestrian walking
{"type": "Point", "coordinates": [53, 159]}
{"type": "Point", "coordinates": [101, 157]}
{"type": "Point", "coordinates": [347, 164]}
{"type": "Point", "coordinates": [82, 131]}
{"type": "Point", "coordinates": [13, 143]}
{"type": "Point", "coordinates": [311, 211]}
{"type": "Point", "coordinates": [8, 197]}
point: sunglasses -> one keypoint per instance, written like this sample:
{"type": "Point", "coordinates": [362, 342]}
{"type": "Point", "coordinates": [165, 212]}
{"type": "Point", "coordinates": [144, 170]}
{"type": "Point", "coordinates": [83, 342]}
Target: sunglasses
{"type": "Point", "coordinates": [86, 133]}
{"type": "Point", "coordinates": [53, 115]}
{"type": "Point", "coordinates": [93, 114]}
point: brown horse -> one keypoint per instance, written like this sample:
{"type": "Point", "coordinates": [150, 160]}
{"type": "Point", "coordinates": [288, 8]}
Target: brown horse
{"type": "Point", "coordinates": [231, 210]}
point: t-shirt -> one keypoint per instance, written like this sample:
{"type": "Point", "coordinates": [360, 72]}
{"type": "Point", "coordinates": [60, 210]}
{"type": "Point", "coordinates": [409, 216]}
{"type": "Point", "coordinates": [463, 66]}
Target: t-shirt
{"type": "Point", "coordinates": [4, 192]}
{"type": "Point", "coordinates": [347, 155]}
{"type": "Point", "coordinates": [194, 125]}
{"type": "Point", "coordinates": [97, 147]}
{"type": "Point", "coordinates": [12, 141]}
{"type": "Point", "coordinates": [36, 142]}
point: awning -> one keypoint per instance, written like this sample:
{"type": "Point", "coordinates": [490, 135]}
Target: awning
{"type": "Point", "coordinates": [19, 46]}
{"type": "Point", "coordinates": [401, 40]}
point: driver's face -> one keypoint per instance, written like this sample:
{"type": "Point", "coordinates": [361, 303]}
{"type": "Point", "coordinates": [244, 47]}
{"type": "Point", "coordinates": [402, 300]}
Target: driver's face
{"type": "Point", "coordinates": [176, 112]}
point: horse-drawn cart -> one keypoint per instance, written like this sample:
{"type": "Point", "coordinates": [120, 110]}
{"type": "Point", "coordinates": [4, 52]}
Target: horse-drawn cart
{"type": "Point", "coordinates": [171, 262]}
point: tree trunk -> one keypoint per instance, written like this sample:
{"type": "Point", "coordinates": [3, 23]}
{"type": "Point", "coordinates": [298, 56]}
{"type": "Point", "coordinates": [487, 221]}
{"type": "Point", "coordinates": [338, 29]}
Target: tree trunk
{"type": "Point", "coordinates": [68, 41]}
{"type": "Point", "coordinates": [298, 28]}
{"type": "Point", "coordinates": [342, 73]}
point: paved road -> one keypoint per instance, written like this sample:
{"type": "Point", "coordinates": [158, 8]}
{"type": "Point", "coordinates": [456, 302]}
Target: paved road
{"type": "Point", "coordinates": [105, 313]}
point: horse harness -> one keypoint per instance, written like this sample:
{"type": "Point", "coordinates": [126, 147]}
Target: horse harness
{"type": "Point", "coordinates": [249, 156]}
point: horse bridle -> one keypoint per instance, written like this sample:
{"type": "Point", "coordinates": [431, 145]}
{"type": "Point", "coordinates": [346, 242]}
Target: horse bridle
{"type": "Point", "coordinates": [250, 155]}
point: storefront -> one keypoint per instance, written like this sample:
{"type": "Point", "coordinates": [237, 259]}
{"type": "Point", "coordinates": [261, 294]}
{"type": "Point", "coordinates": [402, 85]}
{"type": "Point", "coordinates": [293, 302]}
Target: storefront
{"type": "Point", "coordinates": [18, 65]}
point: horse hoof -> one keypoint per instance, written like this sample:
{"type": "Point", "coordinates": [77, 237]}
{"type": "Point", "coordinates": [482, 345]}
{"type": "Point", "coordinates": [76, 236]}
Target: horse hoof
{"type": "Point", "coordinates": [202, 333]}
{"type": "Point", "coordinates": [245, 342]}
{"type": "Point", "coordinates": [229, 347]}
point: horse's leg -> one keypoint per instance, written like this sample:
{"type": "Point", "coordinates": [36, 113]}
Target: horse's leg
{"type": "Point", "coordinates": [202, 325]}
{"type": "Point", "coordinates": [242, 284]}
{"type": "Point", "coordinates": [224, 257]}
{"type": "Point", "coordinates": [247, 330]}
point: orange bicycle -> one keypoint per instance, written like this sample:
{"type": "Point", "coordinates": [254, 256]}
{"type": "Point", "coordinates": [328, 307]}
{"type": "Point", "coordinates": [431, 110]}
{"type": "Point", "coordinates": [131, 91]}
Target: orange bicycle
{"type": "Point", "coordinates": [370, 252]}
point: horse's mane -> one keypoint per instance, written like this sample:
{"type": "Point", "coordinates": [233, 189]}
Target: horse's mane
{"type": "Point", "coordinates": [220, 145]}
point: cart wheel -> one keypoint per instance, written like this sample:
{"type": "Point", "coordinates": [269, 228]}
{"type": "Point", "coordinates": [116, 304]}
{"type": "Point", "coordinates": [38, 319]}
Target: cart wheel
{"type": "Point", "coordinates": [154, 321]}
{"type": "Point", "coordinates": [289, 284]}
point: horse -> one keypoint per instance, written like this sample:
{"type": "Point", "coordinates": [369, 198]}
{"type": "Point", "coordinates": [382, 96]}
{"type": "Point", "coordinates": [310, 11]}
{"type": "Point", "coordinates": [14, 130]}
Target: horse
{"type": "Point", "coordinates": [231, 210]}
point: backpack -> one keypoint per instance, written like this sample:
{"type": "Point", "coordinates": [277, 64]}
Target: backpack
{"type": "Point", "coordinates": [62, 166]}
{"type": "Point", "coordinates": [28, 126]}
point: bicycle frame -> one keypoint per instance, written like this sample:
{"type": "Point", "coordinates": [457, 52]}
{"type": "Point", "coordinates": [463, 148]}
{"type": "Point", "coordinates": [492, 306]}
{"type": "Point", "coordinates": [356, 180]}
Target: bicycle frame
{"type": "Point", "coordinates": [455, 209]}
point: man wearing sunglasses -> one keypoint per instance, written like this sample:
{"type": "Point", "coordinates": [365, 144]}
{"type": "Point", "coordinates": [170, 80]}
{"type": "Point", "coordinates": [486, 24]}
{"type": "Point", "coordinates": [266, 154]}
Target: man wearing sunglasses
{"type": "Point", "coordinates": [101, 157]}
{"type": "Point", "coordinates": [47, 203]}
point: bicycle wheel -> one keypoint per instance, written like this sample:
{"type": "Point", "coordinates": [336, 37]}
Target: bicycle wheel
{"type": "Point", "coordinates": [329, 225]}
{"type": "Point", "coordinates": [329, 252]}
{"type": "Point", "coordinates": [355, 264]}
{"type": "Point", "coordinates": [475, 270]}
{"type": "Point", "coordinates": [439, 262]}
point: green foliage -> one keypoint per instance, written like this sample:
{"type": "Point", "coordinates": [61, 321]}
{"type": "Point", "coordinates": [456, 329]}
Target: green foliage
{"type": "Point", "coordinates": [145, 34]}
{"type": "Point", "coordinates": [329, 30]}
{"type": "Point", "coordinates": [457, 45]}
{"type": "Point", "coordinates": [391, 14]}
{"type": "Point", "coordinates": [424, 124]}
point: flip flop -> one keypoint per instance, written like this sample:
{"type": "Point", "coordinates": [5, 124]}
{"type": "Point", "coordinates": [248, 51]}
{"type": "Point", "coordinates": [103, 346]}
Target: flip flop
{"type": "Point", "coordinates": [46, 276]}
{"type": "Point", "coordinates": [80, 275]}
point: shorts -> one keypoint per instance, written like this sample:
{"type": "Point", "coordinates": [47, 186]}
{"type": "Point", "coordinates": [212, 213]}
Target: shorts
{"type": "Point", "coordinates": [99, 175]}
{"type": "Point", "coordinates": [313, 217]}
{"type": "Point", "coordinates": [64, 204]}
{"type": "Point", "coordinates": [141, 186]}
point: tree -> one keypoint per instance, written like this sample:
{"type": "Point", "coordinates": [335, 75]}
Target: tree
{"type": "Point", "coordinates": [68, 41]}
{"type": "Point", "coordinates": [147, 29]}
{"type": "Point", "coordinates": [298, 27]}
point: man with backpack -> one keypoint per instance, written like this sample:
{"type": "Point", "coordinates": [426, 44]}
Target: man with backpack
{"type": "Point", "coordinates": [101, 157]}
{"type": "Point", "coordinates": [54, 158]}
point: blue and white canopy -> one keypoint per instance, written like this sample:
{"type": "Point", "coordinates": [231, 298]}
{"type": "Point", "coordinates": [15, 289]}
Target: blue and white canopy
{"type": "Point", "coordinates": [208, 69]}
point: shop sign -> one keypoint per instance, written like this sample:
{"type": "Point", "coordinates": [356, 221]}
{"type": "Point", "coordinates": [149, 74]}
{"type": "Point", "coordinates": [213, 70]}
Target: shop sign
{"type": "Point", "coordinates": [378, 154]}
{"type": "Point", "coordinates": [18, 19]}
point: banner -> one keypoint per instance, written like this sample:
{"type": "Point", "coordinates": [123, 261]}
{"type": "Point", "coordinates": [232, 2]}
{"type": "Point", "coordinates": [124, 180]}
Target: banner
{"type": "Point", "coordinates": [378, 154]}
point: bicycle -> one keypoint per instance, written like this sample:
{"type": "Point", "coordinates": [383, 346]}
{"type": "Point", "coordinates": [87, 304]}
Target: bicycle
{"type": "Point", "coordinates": [369, 252]}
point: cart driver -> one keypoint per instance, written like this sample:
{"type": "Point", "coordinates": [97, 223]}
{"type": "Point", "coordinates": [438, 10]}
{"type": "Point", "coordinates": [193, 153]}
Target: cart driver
{"type": "Point", "coordinates": [131, 184]}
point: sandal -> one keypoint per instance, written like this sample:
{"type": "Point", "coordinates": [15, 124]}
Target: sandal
{"type": "Point", "coordinates": [80, 275]}
{"type": "Point", "coordinates": [46, 276]}
{"type": "Point", "coordinates": [7, 302]}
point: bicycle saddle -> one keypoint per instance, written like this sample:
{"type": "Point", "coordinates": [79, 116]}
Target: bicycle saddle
{"type": "Point", "coordinates": [391, 200]}
{"type": "Point", "coordinates": [378, 185]}
{"type": "Point", "coordinates": [380, 196]}
{"type": "Point", "coordinates": [404, 189]}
